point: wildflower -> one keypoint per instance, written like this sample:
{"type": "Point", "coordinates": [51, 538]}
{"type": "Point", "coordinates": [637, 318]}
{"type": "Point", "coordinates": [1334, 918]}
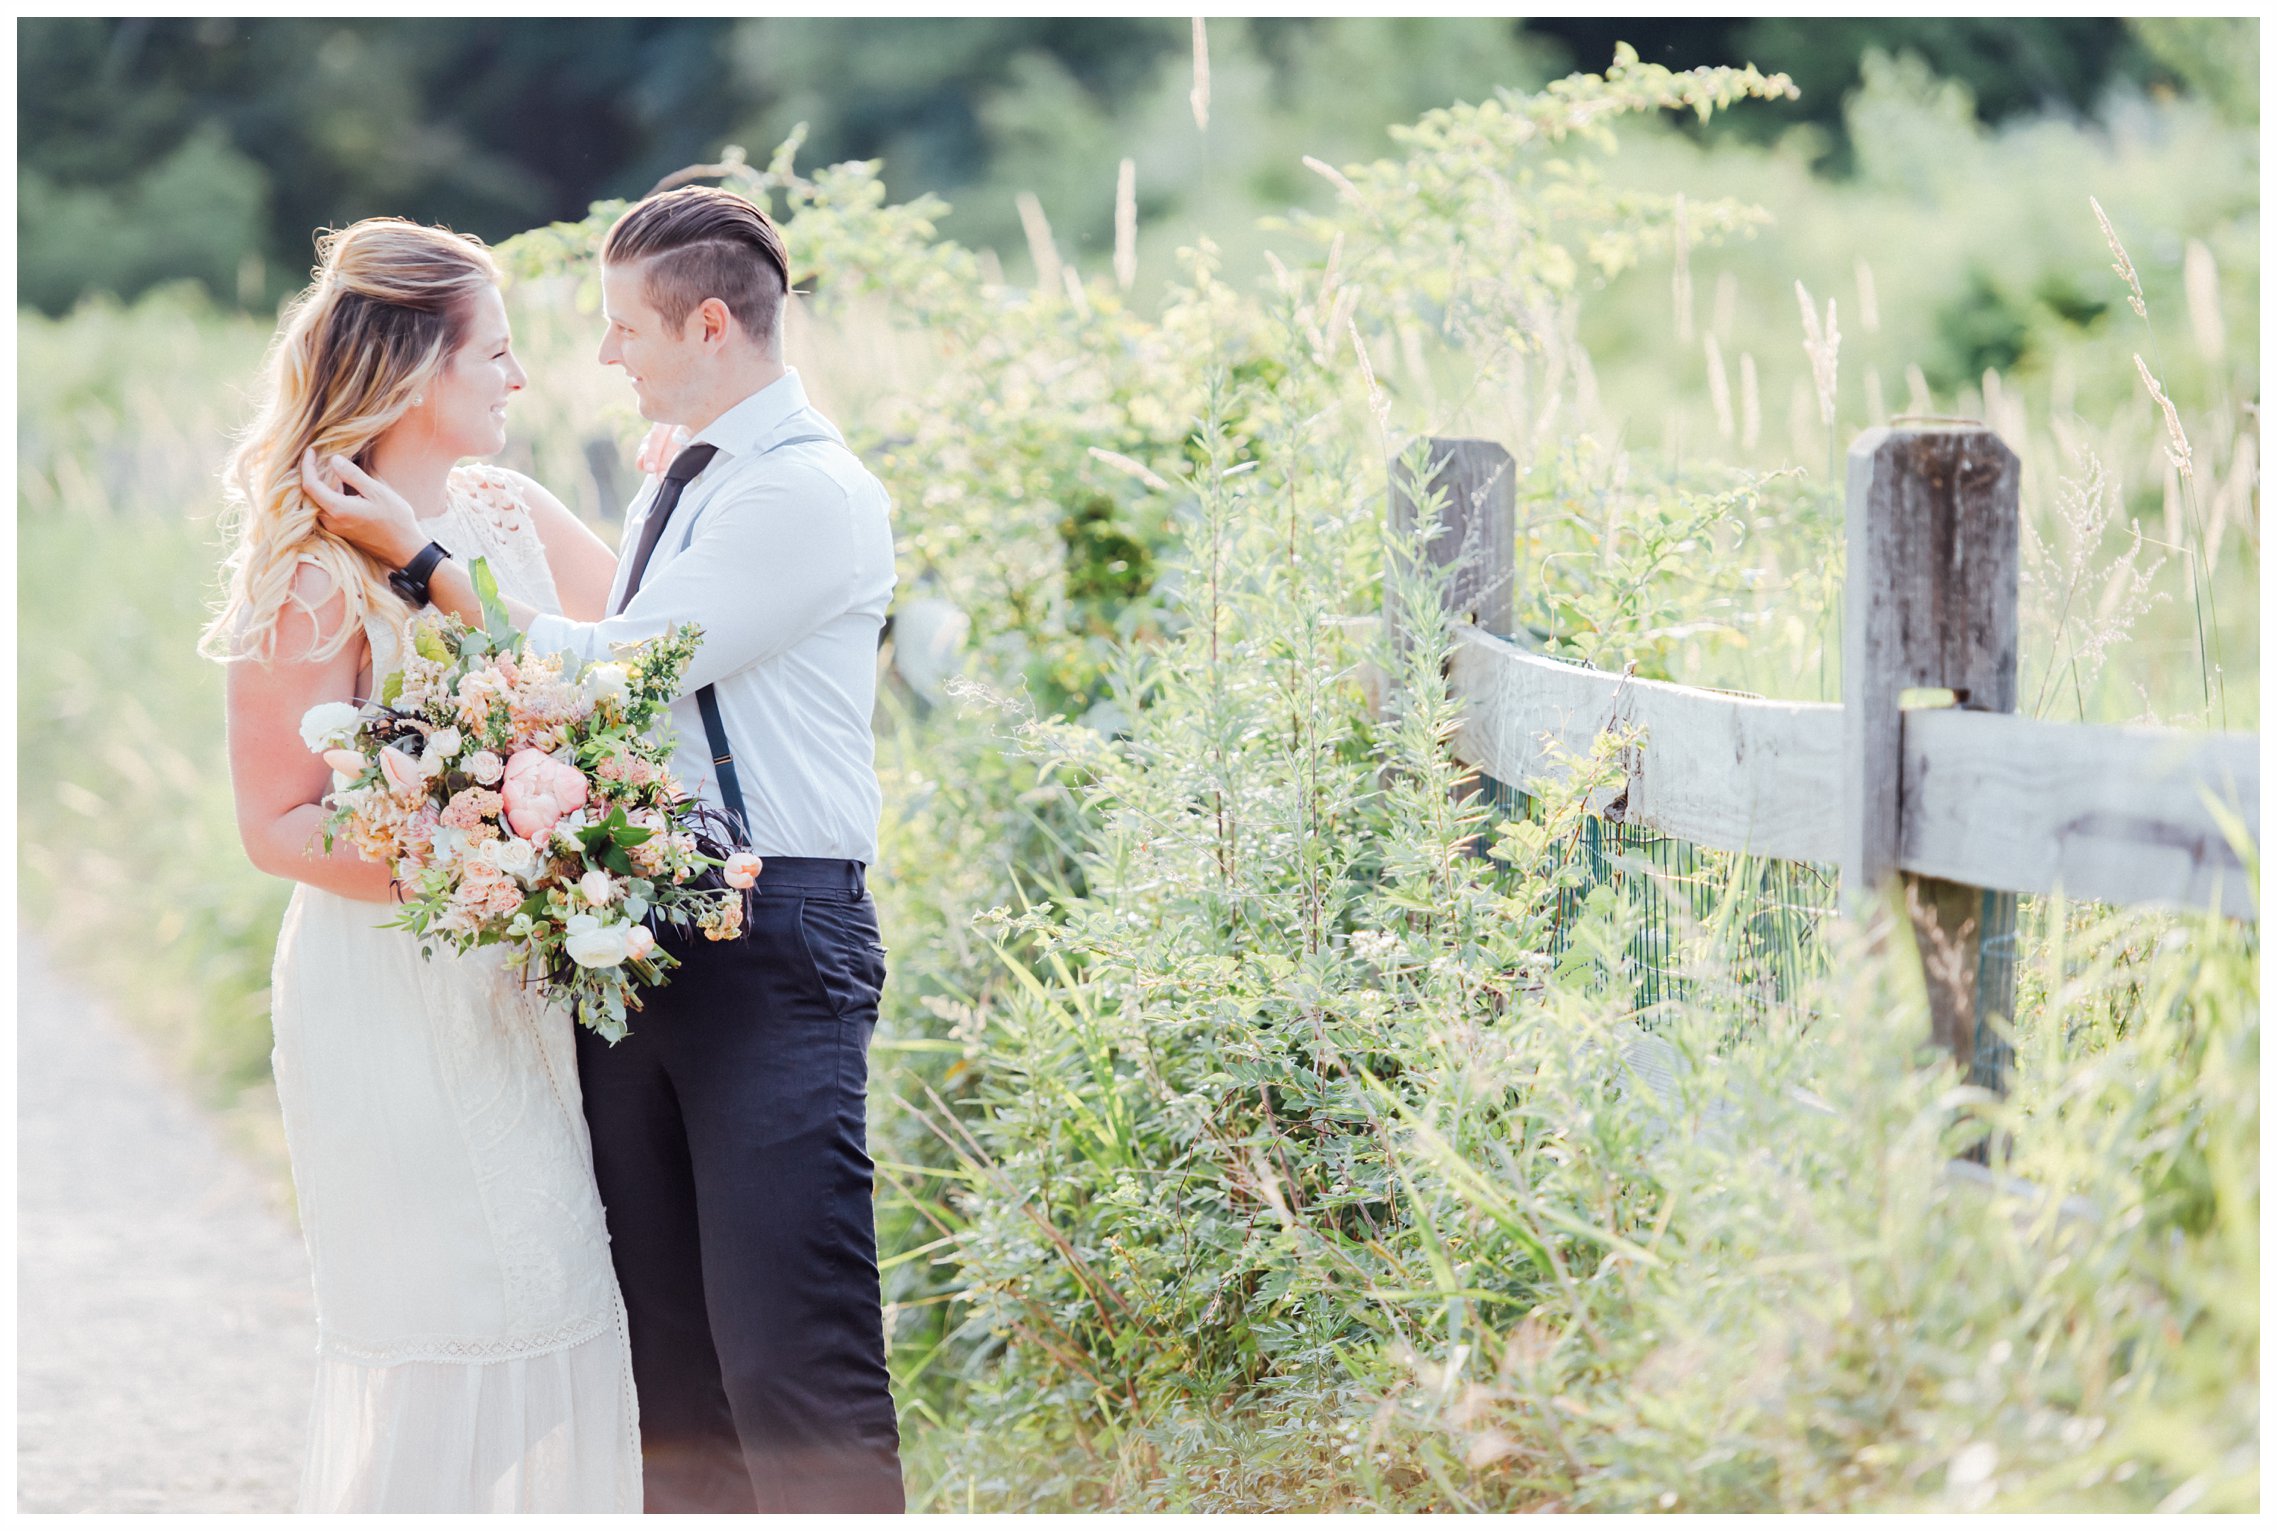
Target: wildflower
{"type": "Point", "coordinates": [2122, 265]}
{"type": "Point", "coordinates": [1719, 385]}
{"type": "Point", "coordinates": [1750, 402]}
{"type": "Point", "coordinates": [1199, 97]}
{"type": "Point", "coordinates": [2177, 444]}
{"type": "Point", "coordinates": [1126, 225]}
{"type": "Point", "coordinates": [2202, 289]}
{"type": "Point", "coordinates": [1822, 344]}
{"type": "Point", "coordinates": [1869, 306]}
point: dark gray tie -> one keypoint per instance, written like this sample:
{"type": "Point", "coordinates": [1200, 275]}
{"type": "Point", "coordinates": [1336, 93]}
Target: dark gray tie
{"type": "Point", "coordinates": [686, 466]}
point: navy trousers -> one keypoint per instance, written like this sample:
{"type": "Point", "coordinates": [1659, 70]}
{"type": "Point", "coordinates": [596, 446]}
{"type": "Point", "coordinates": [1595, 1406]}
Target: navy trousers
{"type": "Point", "coordinates": [729, 1143]}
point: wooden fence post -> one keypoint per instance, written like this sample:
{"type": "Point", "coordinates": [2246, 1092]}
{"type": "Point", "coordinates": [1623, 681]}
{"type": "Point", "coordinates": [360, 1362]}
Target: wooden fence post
{"type": "Point", "coordinates": [1930, 602]}
{"type": "Point", "coordinates": [1478, 527]}
{"type": "Point", "coordinates": [1476, 539]}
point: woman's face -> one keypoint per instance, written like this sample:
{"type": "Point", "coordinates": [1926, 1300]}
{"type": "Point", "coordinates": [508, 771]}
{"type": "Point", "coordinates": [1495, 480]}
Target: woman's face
{"type": "Point", "coordinates": [465, 408]}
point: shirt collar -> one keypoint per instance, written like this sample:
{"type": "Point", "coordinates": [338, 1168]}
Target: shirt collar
{"type": "Point", "coordinates": [751, 424]}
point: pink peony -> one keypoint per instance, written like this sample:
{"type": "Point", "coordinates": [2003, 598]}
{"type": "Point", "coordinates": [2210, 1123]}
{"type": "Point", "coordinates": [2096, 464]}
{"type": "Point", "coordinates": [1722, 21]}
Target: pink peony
{"type": "Point", "coordinates": [742, 870]}
{"type": "Point", "coordinates": [538, 791]}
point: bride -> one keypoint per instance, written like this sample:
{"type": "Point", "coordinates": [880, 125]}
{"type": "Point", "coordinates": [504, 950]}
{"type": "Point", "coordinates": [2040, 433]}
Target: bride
{"type": "Point", "coordinates": [472, 1352]}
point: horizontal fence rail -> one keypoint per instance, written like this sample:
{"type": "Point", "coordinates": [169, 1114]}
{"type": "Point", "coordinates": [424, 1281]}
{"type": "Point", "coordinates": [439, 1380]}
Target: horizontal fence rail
{"type": "Point", "coordinates": [1729, 772]}
{"type": "Point", "coordinates": [2122, 815]}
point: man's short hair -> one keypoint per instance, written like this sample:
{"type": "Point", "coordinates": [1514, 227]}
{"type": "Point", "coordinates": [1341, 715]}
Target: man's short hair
{"type": "Point", "coordinates": [699, 242]}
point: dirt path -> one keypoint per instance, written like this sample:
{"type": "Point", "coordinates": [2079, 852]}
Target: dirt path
{"type": "Point", "coordinates": [165, 1335]}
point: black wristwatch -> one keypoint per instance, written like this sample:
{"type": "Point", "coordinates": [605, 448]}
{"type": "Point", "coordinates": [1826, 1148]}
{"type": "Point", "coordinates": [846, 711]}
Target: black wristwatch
{"type": "Point", "coordinates": [410, 581]}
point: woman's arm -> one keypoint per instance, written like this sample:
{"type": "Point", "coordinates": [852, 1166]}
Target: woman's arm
{"type": "Point", "coordinates": [276, 777]}
{"type": "Point", "coordinates": [583, 567]}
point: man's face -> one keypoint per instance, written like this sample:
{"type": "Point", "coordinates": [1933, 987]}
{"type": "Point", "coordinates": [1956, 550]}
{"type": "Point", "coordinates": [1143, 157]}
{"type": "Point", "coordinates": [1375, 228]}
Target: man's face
{"type": "Point", "coordinates": [663, 365]}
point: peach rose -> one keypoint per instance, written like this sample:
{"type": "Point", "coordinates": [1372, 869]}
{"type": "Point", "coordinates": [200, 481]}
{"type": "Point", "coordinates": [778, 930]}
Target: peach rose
{"type": "Point", "coordinates": [742, 869]}
{"type": "Point", "coordinates": [539, 790]}
{"type": "Point", "coordinates": [404, 777]}
{"type": "Point", "coordinates": [638, 942]}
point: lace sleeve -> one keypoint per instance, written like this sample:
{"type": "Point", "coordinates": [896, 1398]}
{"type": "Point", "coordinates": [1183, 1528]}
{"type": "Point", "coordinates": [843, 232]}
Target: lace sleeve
{"type": "Point", "coordinates": [494, 501]}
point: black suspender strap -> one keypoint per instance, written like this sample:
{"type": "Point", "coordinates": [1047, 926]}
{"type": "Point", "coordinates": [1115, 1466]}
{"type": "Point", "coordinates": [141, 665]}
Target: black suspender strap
{"type": "Point", "coordinates": [723, 762]}
{"type": "Point", "coordinates": [707, 702]}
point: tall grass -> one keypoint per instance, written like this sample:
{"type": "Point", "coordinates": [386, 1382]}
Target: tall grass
{"type": "Point", "coordinates": [1248, 1136]}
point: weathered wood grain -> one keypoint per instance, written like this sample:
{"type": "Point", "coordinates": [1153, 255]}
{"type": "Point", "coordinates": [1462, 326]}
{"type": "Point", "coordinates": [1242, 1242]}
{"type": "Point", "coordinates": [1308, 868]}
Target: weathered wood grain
{"type": "Point", "coordinates": [1475, 486]}
{"type": "Point", "coordinates": [1726, 771]}
{"type": "Point", "coordinates": [1989, 800]}
{"type": "Point", "coordinates": [2101, 812]}
{"type": "Point", "coordinates": [1929, 600]}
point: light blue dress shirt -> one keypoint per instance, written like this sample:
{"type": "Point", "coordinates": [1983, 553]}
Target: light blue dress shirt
{"type": "Point", "coordinates": [785, 558]}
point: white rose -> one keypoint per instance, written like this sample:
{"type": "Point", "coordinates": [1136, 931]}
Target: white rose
{"type": "Point", "coordinates": [329, 725]}
{"type": "Point", "coordinates": [612, 681]}
{"type": "Point", "coordinates": [517, 857]}
{"type": "Point", "coordinates": [598, 888]}
{"type": "Point", "coordinates": [591, 944]}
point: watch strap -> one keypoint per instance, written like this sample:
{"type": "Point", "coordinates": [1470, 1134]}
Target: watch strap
{"type": "Point", "coordinates": [410, 581]}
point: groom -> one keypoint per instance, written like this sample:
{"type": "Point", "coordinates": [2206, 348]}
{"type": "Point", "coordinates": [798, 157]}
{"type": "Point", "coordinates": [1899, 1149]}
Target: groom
{"type": "Point", "coordinates": [728, 1132]}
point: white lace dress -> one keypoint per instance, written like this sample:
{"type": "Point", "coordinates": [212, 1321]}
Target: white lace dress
{"type": "Point", "coordinates": [472, 1351]}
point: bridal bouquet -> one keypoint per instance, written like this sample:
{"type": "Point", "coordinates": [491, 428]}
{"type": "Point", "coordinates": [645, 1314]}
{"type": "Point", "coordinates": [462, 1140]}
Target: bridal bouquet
{"type": "Point", "coordinates": [519, 803]}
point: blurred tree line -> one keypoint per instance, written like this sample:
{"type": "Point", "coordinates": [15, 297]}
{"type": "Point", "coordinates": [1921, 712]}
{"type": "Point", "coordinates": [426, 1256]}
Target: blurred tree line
{"type": "Point", "coordinates": [159, 149]}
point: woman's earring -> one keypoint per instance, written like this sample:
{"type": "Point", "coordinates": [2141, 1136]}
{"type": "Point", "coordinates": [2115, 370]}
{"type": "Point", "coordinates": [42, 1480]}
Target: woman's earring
{"type": "Point", "coordinates": [418, 399]}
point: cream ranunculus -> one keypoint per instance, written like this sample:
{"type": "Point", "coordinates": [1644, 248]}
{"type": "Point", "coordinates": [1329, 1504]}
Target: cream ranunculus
{"type": "Point", "coordinates": [329, 725]}
{"type": "Point", "coordinates": [608, 680]}
{"type": "Point", "coordinates": [591, 944]}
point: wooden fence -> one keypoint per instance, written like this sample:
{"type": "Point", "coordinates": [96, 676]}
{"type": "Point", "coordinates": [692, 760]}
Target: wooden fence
{"type": "Point", "coordinates": [1955, 807]}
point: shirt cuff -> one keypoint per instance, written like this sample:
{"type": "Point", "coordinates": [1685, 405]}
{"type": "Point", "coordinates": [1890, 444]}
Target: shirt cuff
{"type": "Point", "coordinates": [549, 634]}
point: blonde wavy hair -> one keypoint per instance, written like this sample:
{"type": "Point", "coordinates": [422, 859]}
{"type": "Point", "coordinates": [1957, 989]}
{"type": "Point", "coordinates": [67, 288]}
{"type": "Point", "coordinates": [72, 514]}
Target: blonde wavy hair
{"type": "Point", "coordinates": [388, 305]}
